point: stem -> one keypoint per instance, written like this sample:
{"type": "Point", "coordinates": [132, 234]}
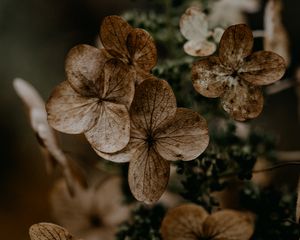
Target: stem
{"type": "Point", "coordinates": [258, 33]}
{"type": "Point", "coordinates": [280, 86]}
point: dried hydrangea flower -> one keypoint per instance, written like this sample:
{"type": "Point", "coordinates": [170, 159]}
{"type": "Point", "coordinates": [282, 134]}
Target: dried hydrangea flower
{"type": "Point", "coordinates": [194, 27]}
{"type": "Point", "coordinates": [49, 231]}
{"type": "Point", "coordinates": [46, 135]}
{"type": "Point", "coordinates": [160, 133]}
{"type": "Point", "coordinates": [192, 222]}
{"type": "Point", "coordinates": [275, 37]}
{"type": "Point", "coordinates": [94, 99]}
{"type": "Point", "coordinates": [228, 12]}
{"type": "Point", "coordinates": [133, 46]}
{"type": "Point", "coordinates": [94, 213]}
{"type": "Point", "coordinates": [236, 75]}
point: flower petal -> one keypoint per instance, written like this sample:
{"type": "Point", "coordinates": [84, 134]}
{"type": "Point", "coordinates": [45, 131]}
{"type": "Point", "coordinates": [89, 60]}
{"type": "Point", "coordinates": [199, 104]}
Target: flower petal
{"type": "Point", "coordinates": [113, 34]}
{"type": "Point", "coordinates": [154, 104]}
{"type": "Point", "coordinates": [185, 138]}
{"type": "Point", "coordinates": [112, 131]}
{"type": "Point", "coordinates": [83, 68]}
{"type": "Point", "coordinates": [228, 225]}
{"type": "Point", "coordinates": [262, 68]}
{"type": "Point", "coordinates": [49, 231]}
{"type": "Point", "coordinates": [148, 175]}
{"type": "Point", "coordinates": [119, 83]}
{"type": "Point", "coordinates": [193, 24]}
{"type": "Point", "coordinates": [141, 48]}
{"type": "Point", "coordinates": [199, 48]}
{"type": "Point", "coordinates": [243, 101]}
{"type": "Point", "coordinates": [236, 44]}
{"type": "Point", "coordinates": [184, 223]}
{"type": "Point", "coordinates": [210, 77]}
{"type": "Point", "coordinates": [70, 112]}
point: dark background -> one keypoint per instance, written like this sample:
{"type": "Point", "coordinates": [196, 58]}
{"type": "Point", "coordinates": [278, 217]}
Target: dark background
{"type": "Point", "coordinates": [35, 36]}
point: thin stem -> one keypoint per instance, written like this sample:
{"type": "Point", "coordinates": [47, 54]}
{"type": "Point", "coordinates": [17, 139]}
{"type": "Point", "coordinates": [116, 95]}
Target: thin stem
{"type": "Point", "coordinates": [280, 86]}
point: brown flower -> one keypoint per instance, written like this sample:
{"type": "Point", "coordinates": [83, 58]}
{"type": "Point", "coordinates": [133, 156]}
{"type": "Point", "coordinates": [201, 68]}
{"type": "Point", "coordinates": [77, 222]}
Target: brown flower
{"type": "Point", "coordinates": [192, 222]}
{"type": "Point", "coordinates": [236, 75]}
{"type": "Point", "coordinates": [160, 132]}
{"type": "Point", "coordinates": [133, 46]}
{"type": "Point", "coordinates": [47, 137]}
{"type": "Point", "coordinates": [94, 100]}
{"type": "Point", "coordinates": [94, 213]}
{"type": "Point", "coordinates": [49, 231]}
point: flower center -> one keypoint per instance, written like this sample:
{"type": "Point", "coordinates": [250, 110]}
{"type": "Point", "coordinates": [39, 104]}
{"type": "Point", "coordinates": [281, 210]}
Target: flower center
{"type": "Point", "coordinates": [150, 140]}
{"type": "Point", "coordinates": [234, 74]}
{"type": "Point", "coordinates": [95, 221]}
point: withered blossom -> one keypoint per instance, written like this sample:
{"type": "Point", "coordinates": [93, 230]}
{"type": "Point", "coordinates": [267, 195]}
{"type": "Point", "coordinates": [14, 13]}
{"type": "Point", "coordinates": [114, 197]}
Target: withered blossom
{"type": "Point", "coordinates": [237, 74]}
{"type": "Point", "coordinates": [49, 231]}
{"type": "Point", "coordinates": [160, 133]}
{"type": "Point", "coordinates": [46, 136]}
{"type": "Point", "coordinates": [275, 36]}
{"type": "Point", "coordinates": [94, 213]}
{"type": "Point", "coordinates": [194, 27]}
{"type": "Point", "coordinates": [192, 222]}
{"type": "Point", "coordinates": [133, 46]}
{"type": "Point", "coordinates": [94, 99]}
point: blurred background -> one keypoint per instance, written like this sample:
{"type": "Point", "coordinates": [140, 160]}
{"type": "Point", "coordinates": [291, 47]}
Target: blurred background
{"type": "Point", "coordinates": [35, 36]}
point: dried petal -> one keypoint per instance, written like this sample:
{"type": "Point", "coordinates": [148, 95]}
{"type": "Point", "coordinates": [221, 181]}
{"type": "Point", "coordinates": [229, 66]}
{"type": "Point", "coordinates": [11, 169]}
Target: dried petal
{"type": "Point", "coordinates": [113, 34]}
{"type": "Point", "coordinates": [262, 68]}
{"type": "Point", "coordinates": [148, 175]}
{"type": "Point", "coordinates": [193, 24]}
{"type": "Point", "coordinates": [70, 112]}
{"type": "Point", "coordinates": [228, 225]}
{"type": "Point", "coordinates": [185, 138]}
{"type": "Point", "coordinates": [243, 101]}
{"type": "Point", "coordinates": [199, 48]}
{"type": "Point", "coordinates": [111, 133]}
{"type": "Point", "coordinates": [154, 104]}
{"type": "Point", "coordinates": [118, 83]}
{"type": "Point", "coordinates": [210, 77]}
{"type": "Point", "coordinates": [236, 44]}
{"type": "Point", "coordinates": [49, 231]}
{"type": "Point", "coordinates": [141, 48]}
{"type": "Point", "coordinates": [83, 68]}
{"type": "Point", "coordinates": [184, 223]}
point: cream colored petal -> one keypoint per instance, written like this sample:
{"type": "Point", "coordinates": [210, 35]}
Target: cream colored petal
{"type": "Point", "coordinates": [154, 105]}
{"type": "Point", "coordinates": [141, 48]}
{"type": "Point", "coordinates": [199, 48]}
{"type": "Point", "coordinates": [49, 231]}
{"type": "Point", "coordinates": [236, 44]}
{"type": "Point", "coordinates": [119, 83]}
{"type": "Point", "coordinates": [243, 101]}
{"type": "Point", "coordinates": [217, 34]}
{"type": "Point", "coordinates": [83, 68]}
{"type": "Point", "coordinates": [193, 24]}
{"type": "Point", "coordinates": [111, 133]}
{"type": "Point", "coordinates": [262, 68]}
{"type": "Point", "coordinates": [70, 112]}
{"type": "Point", "coordinates": [228, 225]}
{"type": "Point", "coordinates": [148, 175]}
{"type": "Point", "coordinates": [113, 34]}
{"type": "Point", "coordinates": [184, 223]}
{"type": "Point", "coordinates": [185, 138]}
{"type": "Point", "coordinates": [210, 77]}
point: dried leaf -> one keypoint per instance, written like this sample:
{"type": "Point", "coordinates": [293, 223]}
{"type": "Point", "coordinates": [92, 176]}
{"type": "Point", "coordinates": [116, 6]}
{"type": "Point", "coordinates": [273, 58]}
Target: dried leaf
{"type": "Point", "coordinates": [228, 225]}
{"type": "Point", "coordinates": [262, 68]}
{"type": "Point", "coordinates": [148, 176]}
{"type": "Point", "coordinates": [111, 133]}
{"type": "Point", "coordinates": [183, 223]}
{"type": "Point", "coordinates": [185, 138]}
{"type": "Point", "coordinates": [71, 112]}
{"type": "Point", "coordinates": [83, 68]}
{"type": "Point", "coordinates": [275, 37]}
{"type": "Point", "coordinates": [113, 34]}
{"type": "Point", "coordinates": [236, 44]}
{"type": "Point", "coordinates": [49, 231]}
{"type": "Point", "coordinates": [210, 77]}
{"type": "Point", "coordinates": [141, 48]}
{"type": "Point", "coordinates": [243, 101]}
